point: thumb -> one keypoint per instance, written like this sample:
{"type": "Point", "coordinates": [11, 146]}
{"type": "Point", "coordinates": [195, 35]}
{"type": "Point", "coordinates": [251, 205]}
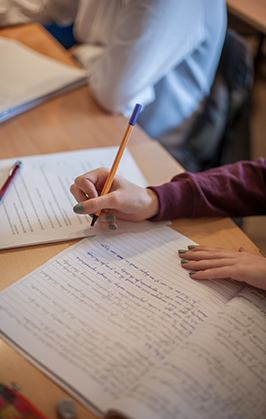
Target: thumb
{"type": "Point", "coordinates": [93, 205]}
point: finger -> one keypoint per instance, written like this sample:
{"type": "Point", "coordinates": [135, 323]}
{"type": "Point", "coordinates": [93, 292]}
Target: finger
{"type": "Point", "coordinates": [86, 186]}
{"type": "Point", "coordinates": [78, 194]}
{"type": "Point", "coordinates": [105, 202]}
{"type": "Point", "coordinates": [107, 226]}
{"type": "Point", "coordinates": [200, 248]}
{"type": "Point", "coordinates": [215, 273]}
{"type": "Point", "coordinates": [106, 217]}
{"type": "Point", "coordinates": [207, 253]}
{"type": "Point", "coordinates": [107, 221]}
{"type": "Point", "coordinates": [90, 206]}
{"type": "Point", "coordinates": [197, 265]}
{"type": "Point", "coordinates": [91, 183]}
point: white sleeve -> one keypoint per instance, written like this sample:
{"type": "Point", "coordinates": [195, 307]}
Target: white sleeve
{"type": "Point", "coordinates": [149, 38]}
{"type": "Point", "coordinates": [14, 12]}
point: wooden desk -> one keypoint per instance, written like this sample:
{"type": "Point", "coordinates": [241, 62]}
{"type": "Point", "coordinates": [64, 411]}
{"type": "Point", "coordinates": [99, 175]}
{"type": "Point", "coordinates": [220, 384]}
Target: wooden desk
{"type": "Point", "coordinates": [251, 12]}
{"type": "Point", "coordinates": [74, 121]}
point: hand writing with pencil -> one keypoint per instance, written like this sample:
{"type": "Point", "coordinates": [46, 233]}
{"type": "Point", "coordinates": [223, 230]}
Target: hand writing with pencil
{"type": "Point", "coordinates": [114, 197]}
{"type": "Point", "coordinates": [110, 177]}
{"type": "Point", "coordinates": [125, 200]}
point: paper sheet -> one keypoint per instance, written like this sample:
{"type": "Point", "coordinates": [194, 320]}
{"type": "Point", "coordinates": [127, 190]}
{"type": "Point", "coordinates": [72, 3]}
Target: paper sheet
{"type": "Point", "coordinates": [100, 315]}
{"type": "Point", "coordinates": [38, 207]}
{"type": "Point", "coordinates": [28, 78]}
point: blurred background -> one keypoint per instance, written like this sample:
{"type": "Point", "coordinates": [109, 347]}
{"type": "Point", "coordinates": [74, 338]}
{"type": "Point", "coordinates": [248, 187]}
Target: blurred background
{"type": "Point", "coordinates": [255, 227]}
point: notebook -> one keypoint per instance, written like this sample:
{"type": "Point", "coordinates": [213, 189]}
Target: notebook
{"type": "Point", "coordinates": [119, 324]}
{"type": "Point", "coordinates": [28, 78]}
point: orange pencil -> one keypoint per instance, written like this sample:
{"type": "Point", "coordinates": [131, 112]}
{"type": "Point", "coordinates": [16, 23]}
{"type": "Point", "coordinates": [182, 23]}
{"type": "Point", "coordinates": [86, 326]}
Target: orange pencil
{"type": "Point", "coordinates": [118, 157]}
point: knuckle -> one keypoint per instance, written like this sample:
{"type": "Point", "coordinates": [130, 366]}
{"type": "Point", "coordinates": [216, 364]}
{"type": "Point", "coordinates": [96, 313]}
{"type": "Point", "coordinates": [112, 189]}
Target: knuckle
{"type": "Point", "coordinates": [114, 201]}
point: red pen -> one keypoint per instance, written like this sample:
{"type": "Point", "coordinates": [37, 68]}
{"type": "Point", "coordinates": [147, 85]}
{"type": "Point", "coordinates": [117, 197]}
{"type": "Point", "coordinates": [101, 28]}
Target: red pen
{"type": "Point", "coordinates": [11, 176]}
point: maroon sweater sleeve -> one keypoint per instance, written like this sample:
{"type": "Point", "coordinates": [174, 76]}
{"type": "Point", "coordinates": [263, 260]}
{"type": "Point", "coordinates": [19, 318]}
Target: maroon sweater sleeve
{"type": "Point", "coordinates": [234, 190]}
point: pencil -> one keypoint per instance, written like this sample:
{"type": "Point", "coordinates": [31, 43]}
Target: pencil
{"type": "Point", "coordinates": [118, 157]}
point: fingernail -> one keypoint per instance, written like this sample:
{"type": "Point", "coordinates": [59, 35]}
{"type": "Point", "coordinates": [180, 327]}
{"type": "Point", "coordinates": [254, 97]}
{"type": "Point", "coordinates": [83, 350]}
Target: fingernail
{"type": "Point", "coordinates": [79, 208]}
{"type": "Point", "coordinates": [192, 272]}
{"type": "Point", "coordinates": [112, 227]}
{"type": "Point", "coordinates": [185, 261]}
{"type": "Point", "coordinates": [110, 218]}
{"type": "Point", "coordinates": [192, 246]}
{"type": "Point", "coordinates": [182, 251]}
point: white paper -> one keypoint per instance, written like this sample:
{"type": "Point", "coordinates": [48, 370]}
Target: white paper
{"type": "Point", "coordinates": [101, 315]}
{"type": "Point", "coordinates": [28, 78]}
{"type": "Point", "coordinates": [218, 372]}
{"type": "Point", "coordinates": [38, 207]}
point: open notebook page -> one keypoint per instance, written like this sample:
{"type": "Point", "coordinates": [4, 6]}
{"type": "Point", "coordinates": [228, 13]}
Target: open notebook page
{"type": "Point", "coordinates": [38, 207]}
{"type": "Point", "coordinates": [217, 372]}
{"type": "Point", "coordinates": [102, 314]}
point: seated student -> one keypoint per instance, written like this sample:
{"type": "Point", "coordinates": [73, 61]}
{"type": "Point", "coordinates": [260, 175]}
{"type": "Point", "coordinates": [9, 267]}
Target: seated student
{"type": "Point", "coordinates": [234, 190]}
{"type": "Point", "coordinates": [162, 54]}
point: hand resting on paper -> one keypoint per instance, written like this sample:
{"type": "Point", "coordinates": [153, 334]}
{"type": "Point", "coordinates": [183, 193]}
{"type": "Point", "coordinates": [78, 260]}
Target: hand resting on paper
{"type": "Point", "coordinates": [125, 200]}
{"type": "Point", "coordinates": [216, 263]}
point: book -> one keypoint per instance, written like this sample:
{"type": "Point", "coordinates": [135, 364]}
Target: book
{"type": "Point", "coordinates": [119, 324]}
{"type": "Point", "coordinates": [38, 207]}
{"type": "Point", "coordinates": [28, 78]}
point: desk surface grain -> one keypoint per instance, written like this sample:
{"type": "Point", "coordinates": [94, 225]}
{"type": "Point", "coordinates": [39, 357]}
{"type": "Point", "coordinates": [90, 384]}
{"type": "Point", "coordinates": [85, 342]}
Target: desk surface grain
{"type": "Point", "coordinates": [251, 12]}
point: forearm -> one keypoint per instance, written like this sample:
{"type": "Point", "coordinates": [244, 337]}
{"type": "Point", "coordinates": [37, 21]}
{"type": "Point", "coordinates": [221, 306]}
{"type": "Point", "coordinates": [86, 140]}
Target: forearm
{"type": "Point", "coordinates": [234, 190]}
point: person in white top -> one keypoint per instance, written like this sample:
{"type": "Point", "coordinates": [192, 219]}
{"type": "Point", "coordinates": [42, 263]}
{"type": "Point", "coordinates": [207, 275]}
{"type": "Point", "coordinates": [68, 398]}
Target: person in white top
{"type": "Point", "coordinates": [162, 54]}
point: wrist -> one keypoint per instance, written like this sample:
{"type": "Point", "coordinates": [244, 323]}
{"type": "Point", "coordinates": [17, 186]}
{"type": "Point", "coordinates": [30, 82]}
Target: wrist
{"type": "Point", "coordinates": [153, 206]}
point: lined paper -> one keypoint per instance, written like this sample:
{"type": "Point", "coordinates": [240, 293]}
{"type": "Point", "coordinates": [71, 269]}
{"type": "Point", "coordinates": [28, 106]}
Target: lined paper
{"type": "Point", "coordinates": [102, 314]}
{"type": "Point", "coordinates": [219, 372]}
